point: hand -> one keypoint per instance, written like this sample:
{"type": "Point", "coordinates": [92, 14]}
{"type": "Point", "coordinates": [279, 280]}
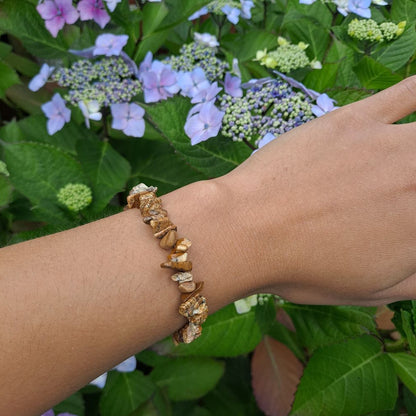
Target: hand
{"type": "Point", "coordinates": [329, 209]}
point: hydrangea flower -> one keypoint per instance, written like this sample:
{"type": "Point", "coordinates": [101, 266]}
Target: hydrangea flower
{"type": "Point", "coordinates": [91, 111]}
{"type": "Point", "coordinates": [204, 124]}
{"type": "Point", "coordinates": [93, 10]}
{"type": "Point", "coordinates": [128, 118]}
{"type": "Point", "coordinates": [232, 9]}
{"type": "Point", "coordinates": [232, 13]}
{"type": "Point", "coordinates": [52, 413]}
{"type": "Point", "coordinates": [246, 6]}
{"type": "Point", "coordinates": [191, 83]}
{"type": "Point", "coordinates": [244, 305]}
{"type": "Point", "coordinates": [110, 45]}
{"type": "Point", "coordinates": [232, 85]}
{"type": "Point", "coordinates": [57, 113]}
{"type": "Point", "coordinates": [360, 7]}
{"type": "Point", "coordinates": [206, 39]}
{"type": "Point", "coordinates": [159, 82]}
{"type": "Point", "coordinates": [324, 105]}
{"type": "Point", "coordinates": [56, 13]}
{"type": "Point", "coordinates": [207, 95]}
{"type": "Point", "coordinates": [267, 138]}
{"type": "Point", "coordinates": [75, 196]}
{"type": "Point", "coordinates": [199, 13]}
{"type": "Point", "coordinates": [112, 4]}
{"type": "Point", "coordinates": [39, 80]}
{"type": "Point", "coordinates": [127, 366]}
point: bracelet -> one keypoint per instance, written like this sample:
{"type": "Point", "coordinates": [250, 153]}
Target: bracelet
{"type": "Point", "coordinates": [193, 305]}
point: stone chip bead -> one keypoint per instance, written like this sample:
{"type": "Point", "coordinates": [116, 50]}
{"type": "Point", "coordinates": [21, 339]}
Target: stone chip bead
{"type": "Point", "coordinates": [182, 277]}
{"type": "Point", "coordinates": [168, 241]}
{"type": "Point", "coordinates": [195, 309]}
{"type": "Point", "coordinates": [188, 333]}
{"type": "Point", "coordinates": [197, 290]}
{"type": "Point", "coordinates": [176, 257]}
{"type": "Point", "coordinates": [182, 244]}
{"type": "Point", "coordinates": [187, 287]}
{"type": "Point", "coordinates": [182, 266]}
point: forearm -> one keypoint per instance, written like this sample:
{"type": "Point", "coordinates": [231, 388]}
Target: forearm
{"type": "Point", "coordinates": [78, 302]}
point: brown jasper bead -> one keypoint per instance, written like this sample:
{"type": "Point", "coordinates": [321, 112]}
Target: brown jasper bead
{"type": "Point", "coordinates": [168, 241]}
{"type": "Point", "coordinates": [198, 289]}
{"type": "Point", "coordinates": [182, 277]}
{"type": "Point", "coordinates": [155, 214]}
{"type": "Point", "coordinates": [187, 333]}
{"type": "Point", "coordinates": [182, 266]}
{"type": "Point", "coordinates": [196, 305]}
{"type": "Point", "coordinates": [160, 224]}
{"type": "Point", "coordinates": [187, 287]}
{"type": "Point", "coordinates": [163, 232]}
{"type": "Point", "coordinates": [175, 257]}
{"type": "Point", "coordinates": [133, 201]}
{"type": "Point", "coordinates": [182, 244]}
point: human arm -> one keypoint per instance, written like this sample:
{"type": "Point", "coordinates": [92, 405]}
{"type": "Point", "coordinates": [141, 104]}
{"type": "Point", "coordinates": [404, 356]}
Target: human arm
{"type": "Point", "coordinates": [324, 214]}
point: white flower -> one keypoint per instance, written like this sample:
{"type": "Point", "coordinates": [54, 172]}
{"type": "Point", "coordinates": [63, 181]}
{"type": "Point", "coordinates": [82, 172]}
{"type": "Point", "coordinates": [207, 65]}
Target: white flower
{"type": "Point", "coordinates": [206, 39]}
{"type": "Point", "coordinates": [245, 304]}
{"type": "Point", "coordinates": [90, 111]}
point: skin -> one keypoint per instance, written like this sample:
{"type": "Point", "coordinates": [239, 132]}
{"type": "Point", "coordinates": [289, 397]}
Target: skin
{"type": "Point", "coordinates": [323, 215]}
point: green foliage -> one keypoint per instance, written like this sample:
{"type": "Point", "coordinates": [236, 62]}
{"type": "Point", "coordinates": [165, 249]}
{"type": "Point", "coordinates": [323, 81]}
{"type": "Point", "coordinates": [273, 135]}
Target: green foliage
{"type": "Point", "coordinates": [356, 370]}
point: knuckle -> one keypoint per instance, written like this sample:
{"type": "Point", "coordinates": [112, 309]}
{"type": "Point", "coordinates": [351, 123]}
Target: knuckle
{"type": "Point", "coordinates": [409, 85]}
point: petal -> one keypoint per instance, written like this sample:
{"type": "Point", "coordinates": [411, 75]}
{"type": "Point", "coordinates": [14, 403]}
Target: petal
{"type": "Point", "coordinates": [55, 25]}
{"type": "Point", "coordinates": [317, 111]}
{"type": "Point", "coordinates": [119, 110]}
{"type": "Point", "coordinates": [55, 124]}
{"type": "Point", "coordinates": [242, 306]}
{"type": "Point", "coordinates": [49, 413]}
{"type": "Point", "coordinates": [149, 80]}
{"type": "Point", "coordinates": [167, 78]}
{"type": "Point", "coordinates": [267, 138]}
{"type": "Point", "coordinates": [326, 103]}
{"type": "Point", "coordinates": [194, 126]}
{"type": "Point", "coordinates": [135, 128]}
{"type": "Point", "coordinates": [47, 9]}
{"type": "Point", "coordinates": [151, 95]}
{"type": "Point", "coordinates": [85, 10]}
{"type": "Point", "coordinates": [100, 380]}
{"type": "Point", "coordinates": [127, 365]}
{"type": "Point", "coordinates": [36, 83]}
{"type": "Point", "coordinates": [101, 17]}
{"type": "Point", "coordinates": [136, 112]}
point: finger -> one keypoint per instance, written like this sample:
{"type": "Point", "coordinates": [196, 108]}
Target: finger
{"type": "Point", "coordinates": [391, 104]}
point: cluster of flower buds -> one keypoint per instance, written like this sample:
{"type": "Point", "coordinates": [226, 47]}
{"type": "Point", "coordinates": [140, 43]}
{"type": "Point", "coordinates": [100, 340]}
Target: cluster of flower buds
{"type": "Point", "coordinates": [370, 30]}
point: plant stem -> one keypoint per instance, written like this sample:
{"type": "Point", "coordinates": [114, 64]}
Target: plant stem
{"type": "Point", "coordinates": [251, 146]}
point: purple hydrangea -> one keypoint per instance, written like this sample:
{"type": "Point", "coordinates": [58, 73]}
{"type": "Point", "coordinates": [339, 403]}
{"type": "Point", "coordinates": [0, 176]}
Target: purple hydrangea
{"type": "Point", "coordinates": [267, 138]}
{"type": "Point", "coordinates": [232, 13]}
{"type": "Point", "coordinates": [198, 13]}
{"type": "Point", "coordinates": [126, 366]}
{"type": "Point", "coordinates": [110, 45]}
{"type": "Point", "coordinates": [207, 95]}
{"type": "Point", "coordinates": [39, 80]}
{"type": "Point", "coordinates": [112, 4]}
{"type": "Point", "coordinates": [324, 105]}
{"type": "Point", "coordinates": [360, 7]}
{"type": "Point", "coordinates": [246, 6]}
{"type": "Point", "coordinates": [128, 118]}
{"type": "Point", "coordinates": [159, 82]}
{"type": "Point", "coordinates": [52, 413]}
{"type": "Point", "coordinates": [57, 113]}
{"type": "Point", "coordinates": [232, 85]}
{"type": "Point", "coordinates": [56, 13]}
{"type": "Point", "coordinates": [93, 10]}
{"type": "Point", "coordinates": [205, 124]}
{"type": "Point", "coordinates": [191, 83]}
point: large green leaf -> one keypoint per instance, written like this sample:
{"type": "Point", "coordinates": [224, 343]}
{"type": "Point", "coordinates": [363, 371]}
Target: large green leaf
{"type": "Point", "coordinates": [125, 392]}
{"type": "Point", "coordinates": [322, 79]}
{"type": "Point", "coordinates": [106, 170]}
{"type": "Point", "coordinates": [344, 96]}
{"type": "Point", "coordinates": [321, 325]}
{"type": "Point", "coordinates": [73, 404]}
{"type": "Point", "coordinates": [26, 24]}
{"type": "Point", "coordinates": [188, 378]}
{"type": "Point", "coordinates": [214, 157]}
{"type": "Point", "coordinates": [374, 75]}
{"type": "Point", "coordinates": [408, 329]}
{"type": "Point", "coordinates": [398, 52]}
{"type": "Point", "coordinates": [5, 190]}
{"type": "Point", "coordinates": [38, 171]}
{"type": "Point", "coordinates": [8, 77]}
{"type": "Point", "coordinates": [224, 334]}
{"type": "Point", "coordinates": [157, 163]}
{"type": "Point", "coordinates": [348, 379]}
{"type": "Point", "coordinates": [409, 400]}
{"type": "Point", "coordinates": [153, 15]}
{"type": "Point", "coordinates": [403, 10]}
{"type": "Point", "coordinates": [405, 365]}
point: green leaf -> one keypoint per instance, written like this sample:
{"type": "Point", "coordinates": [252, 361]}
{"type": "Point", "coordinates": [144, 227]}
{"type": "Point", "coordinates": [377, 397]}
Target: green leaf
{"type": "Point", "coordinates": [310, 30]}
{"type": "Point", "coordinates": [38, 171]}
{"type": "Point", "coordinates": [73, 404]}
{"type": "Point", "coordinates": [106, 170]}
{"type": "Point", "coordinates": [8, 77]}
{"type": "Point", "coordinates": [253, 41]}
{"type": "Point", "coordinates": [158, 405]}
{"type": "Point", "coordinates": [403, 10]}
{"type": "Point", "coordinates": [26, 24]}
{"type": "Point", "coordinates": [374, 75]}
{"type": "Point", "coordinates": [398, 52]}
{"type": "Point", "coordinates": [409, 400]}
{"type": "Point", "coordinates": [348, 379]}
{"type": "Point", "coordinates": [344, 96]}
{"type": "Point", "coordinates": [5, 190]}
{"type": "Point", "coordinates": [409, 330]}
{"type": "Point", "coordinates": [321, 325]}
{"type": "Point", "coordinates": [225, 334]}
{"type": "Point", "coordinates": [157, 163]}
{"type": "Point", "coordinates": [188, 378]}
{"type": "Point", "coordinates": [214, 157]}
{"type": "Point", "coordinates": [153, 15]}
{"type": "Point", "coordinates": [125, 392]}
{"type": "Point", "coordinates": [322, 79]}
{"type": "Point", "coordinates": [405, 366]}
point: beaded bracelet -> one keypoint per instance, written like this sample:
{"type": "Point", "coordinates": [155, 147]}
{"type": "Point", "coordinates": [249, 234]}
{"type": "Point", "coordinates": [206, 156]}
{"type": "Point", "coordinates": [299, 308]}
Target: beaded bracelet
{"type": "Point", "coordinates": [193, 305]}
